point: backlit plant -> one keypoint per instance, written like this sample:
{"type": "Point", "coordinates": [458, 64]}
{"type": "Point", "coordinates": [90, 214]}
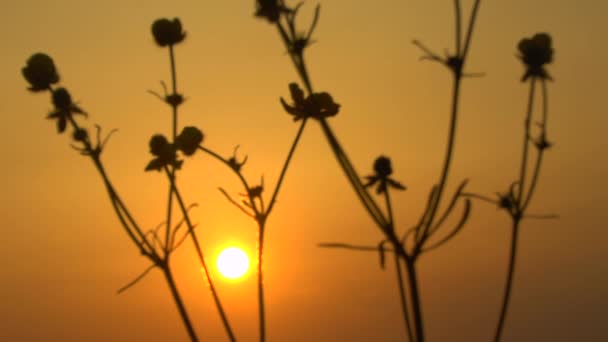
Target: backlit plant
{"type": "Point", "coordinates": [169, 155]}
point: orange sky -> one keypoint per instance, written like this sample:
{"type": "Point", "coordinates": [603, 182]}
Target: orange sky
{"type": "Point", "coordinates": [64, 255]}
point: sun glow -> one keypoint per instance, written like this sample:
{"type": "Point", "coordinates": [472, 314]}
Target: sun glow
{"type": "Point", "coordinates": [232, 263]}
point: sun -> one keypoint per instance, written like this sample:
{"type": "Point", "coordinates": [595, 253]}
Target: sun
{"type": "Point", "coordinates": [232, 263]}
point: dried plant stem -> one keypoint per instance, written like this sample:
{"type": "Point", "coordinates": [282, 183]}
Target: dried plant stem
{"type": "Point", "coordinates": [174, 88]}
{"type": "Point", "coordinates": [402, 297]}
{"type": "Point", "coordinates": [137, 236]}
{"type": "Point", "coordinates": [523, 199]}
{"type": "Point", "coordinates": [260, 283]}
{"type": "Point", "coordinates": [260, 215]}
{"type": "Point", "coordinates": [415, 299]}
{"type": "Point", "coordinates": [174, 134]}
{"type": "Point", "coordinates": [526, 144]}
{"type": "Point", "coordinates": [400, 284]}
{"type": "Point", "coordinates": [446, 164]}
{"type": "Point", "coordinates": [178, 301]}
{"type": "Point", "coordinates": [509, 282]}
{"type": "Point", "coordinates": [201, 258]}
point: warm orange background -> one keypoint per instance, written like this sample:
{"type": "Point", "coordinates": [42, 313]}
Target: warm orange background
{"type": "Point", "coordinates": [63, 254]}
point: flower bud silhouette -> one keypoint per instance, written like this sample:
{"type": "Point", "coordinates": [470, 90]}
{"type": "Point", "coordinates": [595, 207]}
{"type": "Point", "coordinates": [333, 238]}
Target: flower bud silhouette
{"type": "Point", "coordinates": [80, 135]}
{"type": "Point", "coordinates": [269, 9]}
{"type": "Point", "coordinates": [64, 108]}
{"type": "Point", "coordinates": [189, 140]}
{"type": "Point", "coordinates": [40, 72]}
{"type": "Point", "coordinates": [383, 169]}
{"type": "Point", "coordinates": [158, 143]}
{"type": "Point", "coordinates": [535, 53]}
{"type": "Point", "coordinates": [168, 32]}
{"type": "Point", "coordinates": [317, 105]}
{"type": "Point", "coordinates": [62, 99]}
{"type": "Point", "coordinates": [165, 153]}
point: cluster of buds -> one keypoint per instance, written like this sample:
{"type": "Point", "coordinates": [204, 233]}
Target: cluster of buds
{"type": "Point", "coordinates": [165, 153]}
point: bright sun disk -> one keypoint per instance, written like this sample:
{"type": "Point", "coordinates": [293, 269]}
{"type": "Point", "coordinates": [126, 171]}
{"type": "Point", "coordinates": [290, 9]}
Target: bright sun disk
{"type": "Point", "coordinates": [232, 263]}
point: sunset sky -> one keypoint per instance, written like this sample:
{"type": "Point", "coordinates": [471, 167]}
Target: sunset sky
{"type": "Point", "coordinates": [64, 254]}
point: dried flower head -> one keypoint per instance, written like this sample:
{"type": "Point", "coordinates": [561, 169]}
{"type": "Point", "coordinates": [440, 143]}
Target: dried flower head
{"type": "Point", "coordinates": [535, 52]}
{"type": "Point", "coordinates": [40, 72]}
{"type": "Point", "coordinates": [168, 32]}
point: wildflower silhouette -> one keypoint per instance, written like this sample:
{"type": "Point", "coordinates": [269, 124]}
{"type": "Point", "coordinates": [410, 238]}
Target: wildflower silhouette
{"type": "Point", "coordinates": [270, 9]}
{"type": "Point", "coordinates": [40, 72]}
{"type": "Point", "coordinates": [535, 53]}
{"type": "Point", "coordinates": [165, 153]}
{"type": "Point", "coordinates": [383, 169]}
{"type": "Point", "coordinates": [316, 105]}
{"type": "Point", "coordinates": [189, 140]}
{"type": "Point", "coordinates": [168, 32]}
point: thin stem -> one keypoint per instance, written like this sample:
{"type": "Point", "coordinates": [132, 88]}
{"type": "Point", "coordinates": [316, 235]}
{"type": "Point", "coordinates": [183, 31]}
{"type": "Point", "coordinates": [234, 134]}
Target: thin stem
{"type": "Point", "coordinates": [227, 163]}
{"type": "Point", "coordinates": [480, 197]}
{"type": "Point", "coordinates": [509, 282]}
{"type": "Point", "coordinates": [174, 84]}
{"type": "Point", "coordinates": [541, 151]}
{"type": "Point", "coordinates": [402, 297]}
{"type": "Point", "coordinates": [446, 164]}
{"type": "Point", "coordinates": [467, 41]}
{"type": "Point", "coordinates": [533, 181]}
{"type": "Point", "coordinates": [349, 246]}
{"type": "Point", "coordinates": [174, 134]}
{"type": "Point", "coordinates": [119, 207]}
{"type": "Point", "coordinates": [261, 307]}
{"type": "Point", "coordinates": [458, 24]}
{"type": "Point", "coordinates": [169, 243]}
{"type": "Point", "coordinates": [285, 166]}
{"type": "Point", "coordinates": [526, 144]}
{"type": "Point", "coordinates": [178, 301]}
{"type": "Point", "coordinates": [389, 209]}
{"type": "Point", "coordinates": [201, 258]}
{"type": "Point", "coordinates": [355, 181]}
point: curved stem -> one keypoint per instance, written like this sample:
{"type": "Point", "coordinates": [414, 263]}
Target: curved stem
{"type": "Point", "coordinates": [355, 181]}
{"type": "Point", "coordinates": [179, 302]}
{"type": "Point", "coordinates": [201, 258]}
{"type": "Point", "coordinates": [509, 282]}
{"type": "Point", "coordinates": [446, 163]}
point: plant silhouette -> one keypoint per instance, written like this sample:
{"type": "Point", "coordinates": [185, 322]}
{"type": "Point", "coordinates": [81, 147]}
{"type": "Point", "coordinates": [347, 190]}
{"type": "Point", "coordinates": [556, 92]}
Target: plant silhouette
{"type": "Point", "coordinates": [170, 154]}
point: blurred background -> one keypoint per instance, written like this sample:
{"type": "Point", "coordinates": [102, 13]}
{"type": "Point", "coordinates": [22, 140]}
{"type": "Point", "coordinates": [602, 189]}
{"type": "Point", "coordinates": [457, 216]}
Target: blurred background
{"type": "Point", "coordinates": [64, 254]}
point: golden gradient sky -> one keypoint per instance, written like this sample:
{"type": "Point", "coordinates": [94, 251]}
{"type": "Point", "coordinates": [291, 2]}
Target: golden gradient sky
{"type": "Point", "coordinates": [64, 255]}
